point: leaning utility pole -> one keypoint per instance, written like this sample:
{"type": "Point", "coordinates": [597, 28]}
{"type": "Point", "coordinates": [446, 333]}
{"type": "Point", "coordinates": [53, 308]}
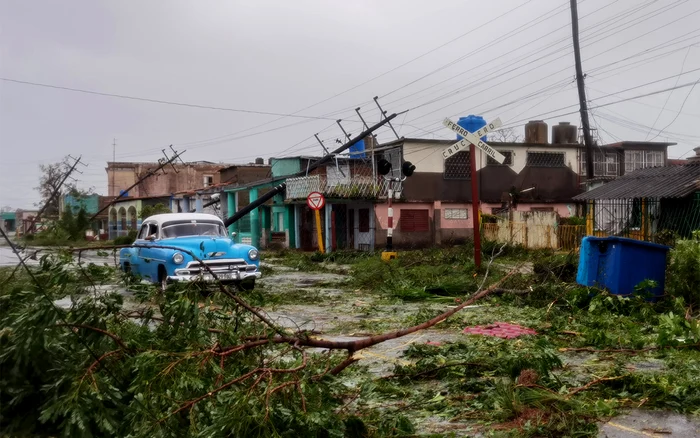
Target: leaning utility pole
{"type": "Point", "coordinates": [325, 159]}
{"type": "Point", "coordinates": [148, 174]}
{"type": "Point", "coordinates": [587, 139]}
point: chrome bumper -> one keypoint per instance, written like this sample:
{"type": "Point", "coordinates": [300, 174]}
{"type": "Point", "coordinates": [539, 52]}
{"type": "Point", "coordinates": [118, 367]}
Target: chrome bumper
{"type": "Point", "coordinates": [222, 276]}
{"type": "Point", "coordinates": [223, 269]}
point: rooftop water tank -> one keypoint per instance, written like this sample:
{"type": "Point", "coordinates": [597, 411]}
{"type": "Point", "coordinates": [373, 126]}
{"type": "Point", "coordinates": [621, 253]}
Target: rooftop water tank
{"type": "Point", "coordinates": [471, 123]}
{"type": "Point", "coordinates": [536, 132]}
{"type": "Point", "coordinates": [564, 133]}
{"type": "Point", "coordinates": [358, 150]}
{"type": "Point", "coordinates": [259, 160]}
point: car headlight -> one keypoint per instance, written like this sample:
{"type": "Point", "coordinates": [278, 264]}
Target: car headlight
{"type": "Point", "coordinates": [178, 258]}
{"type": "Point", "coordinates": [253, 254]}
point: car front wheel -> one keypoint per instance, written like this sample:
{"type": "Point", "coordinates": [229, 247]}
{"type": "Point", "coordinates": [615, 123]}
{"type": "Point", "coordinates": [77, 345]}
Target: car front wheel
{"type": "Point", "coordinates": [162, 279]}
{"type": "Point", "coordinates": [245, 285]}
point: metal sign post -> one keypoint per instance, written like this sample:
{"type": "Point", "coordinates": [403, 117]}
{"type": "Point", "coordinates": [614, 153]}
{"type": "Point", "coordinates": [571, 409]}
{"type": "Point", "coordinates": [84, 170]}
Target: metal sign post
{"type": "Point", "coordinates": [316, 202]}
{"type": "Point", "coordinates": [473, 140]}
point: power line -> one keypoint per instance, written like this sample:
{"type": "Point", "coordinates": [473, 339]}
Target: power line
{"type": "Point", "coordinates": [679, 111]}
{"type": "Point", "coordinates": [491, 77]}
{"type": "Point", "coordinates": [164, 102]}
{"type": "Point", "coordinates": [668, 97]}
{"type": "Point", "coordinates": [522, 58]}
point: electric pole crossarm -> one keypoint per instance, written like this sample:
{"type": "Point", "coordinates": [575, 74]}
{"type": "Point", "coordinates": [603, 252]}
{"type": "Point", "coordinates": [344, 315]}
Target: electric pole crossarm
{"type": "Point", "coordinates": [147, 175]}
{"type": "Point", "coordinates": [280, 188]}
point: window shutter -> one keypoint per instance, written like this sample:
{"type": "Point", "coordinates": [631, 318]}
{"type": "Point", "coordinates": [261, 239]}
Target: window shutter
{"type": "Point", "coordinates": [415, 220]}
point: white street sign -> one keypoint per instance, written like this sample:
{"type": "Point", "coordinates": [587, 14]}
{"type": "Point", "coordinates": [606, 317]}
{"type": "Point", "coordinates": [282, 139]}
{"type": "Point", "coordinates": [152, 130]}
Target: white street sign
{"type": "Point", "coordinates": [473, 138]}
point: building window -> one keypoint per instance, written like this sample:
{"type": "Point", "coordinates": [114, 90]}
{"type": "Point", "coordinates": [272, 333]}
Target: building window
{"type": "Point", "coordinates": [415, 220]}
{"type": "Point", "coordinates": [546, 159]}
{"type": "Point", "coordinates": [363, 220]}
{"type": "Point", "coordinates": [208, 180]}
{"type": "Point", "coordinates": [654, 158]}
{"type": "Point", "coordinates": [604, 163]}
{"type": "Point", "coordinates": [642, 159]}
{"type": "Point", "coordinates": [458, 166]}
{"type": "Point", "coordinates": [455, 213]}
{"type": "Point", "coordinates": [507, 162]}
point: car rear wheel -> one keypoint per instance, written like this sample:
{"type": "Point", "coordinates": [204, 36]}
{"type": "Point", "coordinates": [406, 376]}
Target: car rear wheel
{"type": "Point", "coordinates": [128, 275]}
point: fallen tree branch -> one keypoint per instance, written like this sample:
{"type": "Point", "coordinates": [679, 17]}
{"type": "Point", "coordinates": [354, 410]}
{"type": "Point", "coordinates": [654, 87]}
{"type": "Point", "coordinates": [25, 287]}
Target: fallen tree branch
{"type": "Point", "coordinates": [359, 344]}
{"type": "Point", "coordinates": [114, 337]}
{"type": "Point", "coordinates": [594, 382]}
{"type": "Point", "coordinates": [626, 350]}
{"type": "Point", "coordinates": [432, 370]}
{"type": "Point", "coordinates": [221, 286]}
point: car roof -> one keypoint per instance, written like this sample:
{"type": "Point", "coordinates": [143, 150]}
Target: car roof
{"type": "Point", "coordinates": [169, 217]}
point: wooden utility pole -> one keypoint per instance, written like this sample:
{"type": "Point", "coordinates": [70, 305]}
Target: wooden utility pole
{"type": "Point", "coordinates": [162, 164]}
{"type": "Point", "coordinates": [114, 159]}
{"type": "Point", "coordinates": [587, 139]}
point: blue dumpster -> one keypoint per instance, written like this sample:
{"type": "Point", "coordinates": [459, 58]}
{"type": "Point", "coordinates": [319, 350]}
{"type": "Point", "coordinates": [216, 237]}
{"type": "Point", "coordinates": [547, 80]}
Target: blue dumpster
{"type": "Point", "coordinates": [619, 264]}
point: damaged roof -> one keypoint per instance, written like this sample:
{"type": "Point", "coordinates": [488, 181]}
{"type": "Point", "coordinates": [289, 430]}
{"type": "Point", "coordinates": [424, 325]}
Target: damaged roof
{"type": "Point", "coordinates": [653, 182]}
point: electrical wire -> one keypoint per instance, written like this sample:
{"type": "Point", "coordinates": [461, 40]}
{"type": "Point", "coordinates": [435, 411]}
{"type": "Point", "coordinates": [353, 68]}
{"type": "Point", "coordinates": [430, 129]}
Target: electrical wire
{"type": "Point", "coordinates": [159, 101]}
{"type": "Point", "coordinates": [679, 111]}
{"type": "Point", "coordinates": [668, 96]}
{"type": "Point", "coordinates": [514, 69]}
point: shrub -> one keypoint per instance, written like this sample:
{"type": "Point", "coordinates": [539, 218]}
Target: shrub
{"type": "Point", "coordinates": [683, 275]}
{"type": "Point", "coordinates": [126, 240]}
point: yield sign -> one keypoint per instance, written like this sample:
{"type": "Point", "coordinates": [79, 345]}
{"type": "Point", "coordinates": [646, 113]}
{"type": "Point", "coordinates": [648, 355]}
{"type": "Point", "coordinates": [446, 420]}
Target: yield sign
{"type": "Point", "coordinates": [473, 138]}
{"type": "Point", "coordinates": [315, 201]}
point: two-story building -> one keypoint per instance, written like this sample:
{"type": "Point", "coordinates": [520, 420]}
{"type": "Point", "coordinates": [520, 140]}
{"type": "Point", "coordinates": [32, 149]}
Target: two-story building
{"type": "Point", "coordinates": [180, 188]}
{"type": "Point", "coordinates": [434, 205]}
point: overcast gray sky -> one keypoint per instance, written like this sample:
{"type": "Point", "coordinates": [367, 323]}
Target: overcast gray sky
{"type": "Point", "coordinates": [509, 58]}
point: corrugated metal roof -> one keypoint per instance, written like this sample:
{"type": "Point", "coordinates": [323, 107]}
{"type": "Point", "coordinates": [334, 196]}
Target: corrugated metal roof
{"type": "Point", "coordinates": [654, 182]}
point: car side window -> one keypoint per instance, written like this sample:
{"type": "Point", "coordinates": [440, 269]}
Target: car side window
{"type": "Point", "coordinates": [153, 230]}
{"type": "Point", "coordinates": [143, 233]}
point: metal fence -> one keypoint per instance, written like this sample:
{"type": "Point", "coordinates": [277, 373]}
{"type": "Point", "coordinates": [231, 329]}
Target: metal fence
{"type": "Point", "coordinates": [359, 187]}
{"type": "Point", "coordinates": [658, 220]}
{"type": "Point", "coordinates": [653, 220]}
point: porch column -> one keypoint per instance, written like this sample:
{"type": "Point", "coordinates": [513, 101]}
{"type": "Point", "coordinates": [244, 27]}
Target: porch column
{"type": "Point", "coordinates": [266, 212]}
{"type": "Point", "coordinates": [297, 222]}
{"type": "Point", "coordinates": [328, 238]}
{"type": "Point", "coordinates": [589, 218]}
{"type": "Point", "coordinates": [185, 204]}
{"type": "Point", "coordinates": [290, 235]}
{"type": "Point", "coordinates": [199, 208]}
{"type": "Point", "coordinates": [230, 209]}
{"type": "Point", "coordinates": [437, 223]}
{"type": "Point", "coordinates": [254, 220]}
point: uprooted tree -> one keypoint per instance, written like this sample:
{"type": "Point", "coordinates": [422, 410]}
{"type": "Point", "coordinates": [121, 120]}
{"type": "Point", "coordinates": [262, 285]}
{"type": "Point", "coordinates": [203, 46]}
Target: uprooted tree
{"type": "Point", "coordinates": [99, 368]}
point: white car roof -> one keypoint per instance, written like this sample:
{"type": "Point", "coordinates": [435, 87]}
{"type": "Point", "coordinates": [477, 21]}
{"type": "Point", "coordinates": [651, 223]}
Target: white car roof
{"type": "Point", "coordinates": [169, 217]}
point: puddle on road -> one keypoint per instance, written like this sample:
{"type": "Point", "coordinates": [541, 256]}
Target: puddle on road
{"type": "Point", "coordinates": [296, 279]}
{"type": "Point", "coordinates": [641, 423]}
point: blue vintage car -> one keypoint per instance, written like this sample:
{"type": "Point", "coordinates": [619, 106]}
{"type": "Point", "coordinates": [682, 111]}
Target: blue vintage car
{"type": "Point", "coordinates": [203, 235]}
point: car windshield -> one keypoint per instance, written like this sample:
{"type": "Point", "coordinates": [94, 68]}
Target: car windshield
{"type": "Point", "coordinates": [189, 228]}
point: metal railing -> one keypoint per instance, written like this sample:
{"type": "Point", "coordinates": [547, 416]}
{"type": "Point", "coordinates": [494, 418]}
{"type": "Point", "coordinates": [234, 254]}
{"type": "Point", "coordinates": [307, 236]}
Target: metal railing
{"type": "Point", "coordinates": [357, 187]}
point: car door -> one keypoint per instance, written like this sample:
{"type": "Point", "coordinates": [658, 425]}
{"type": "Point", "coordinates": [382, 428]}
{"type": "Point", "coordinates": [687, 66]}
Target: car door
{"type": "Point", "coordinates": [146, 252]}
{"type": "Point", "coordinates": [135, 259]}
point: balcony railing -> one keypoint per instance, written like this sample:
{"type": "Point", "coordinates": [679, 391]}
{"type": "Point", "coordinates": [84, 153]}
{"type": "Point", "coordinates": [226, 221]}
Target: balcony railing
{"type": "Point", "coordinates": [357, 187]}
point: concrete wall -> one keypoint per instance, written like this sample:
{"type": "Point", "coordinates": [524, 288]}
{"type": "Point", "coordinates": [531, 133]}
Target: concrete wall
{"type": "Point", "coordinates": [89, 203]}
{"type": "Point", "coordinates": [189, 177]}
{"type": "Point", "coordinates": [285, 166]}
